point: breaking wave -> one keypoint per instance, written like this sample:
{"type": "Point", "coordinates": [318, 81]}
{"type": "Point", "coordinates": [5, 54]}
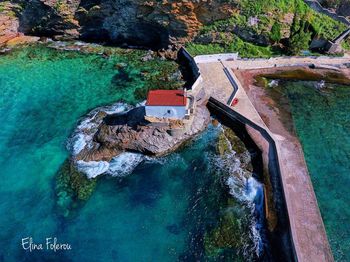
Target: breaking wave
{"type": "Point", "coordinates": [273, 83]}
{"type": "Point", "coordinates": [124, 164]}
{"type": "Point", "coordinates": [121, 165]}
{"type": "Point", "coordinates": [249, 192]}
{"type": "Point", "coordinates": [92, 169]}
{"type": "Point", "coordinates": [87, 127]}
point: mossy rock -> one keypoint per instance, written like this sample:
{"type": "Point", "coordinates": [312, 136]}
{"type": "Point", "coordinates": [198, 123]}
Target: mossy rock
{"type": "Point", "coordinates": [223, 146]}
{"type": "Point", "coordinates": [72, 187]}
{"type": "Point", "coordinates": [227, 140]}
{"type": "Point", "coordinates": [226, 236]}
{"type": "Point", "coordinates": [261, 81]}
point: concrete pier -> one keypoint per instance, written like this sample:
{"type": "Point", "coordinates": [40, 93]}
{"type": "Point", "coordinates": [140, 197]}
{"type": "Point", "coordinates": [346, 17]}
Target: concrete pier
{"type": "Point", "coordinates": [222, 86]}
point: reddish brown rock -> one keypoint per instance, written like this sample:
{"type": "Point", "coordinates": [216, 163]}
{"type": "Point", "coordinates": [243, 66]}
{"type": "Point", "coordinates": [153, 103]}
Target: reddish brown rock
{"type": "Point", "coordinates": [151, 23]}
{"type": "Point", "coordinates": [8, 26]}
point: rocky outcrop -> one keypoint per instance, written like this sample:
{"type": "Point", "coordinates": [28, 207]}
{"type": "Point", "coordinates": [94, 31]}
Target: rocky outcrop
{"type": "Point", "coordinates": [342, 7]}
{"type": "Point", "coordinates": [143, 23]}
{"type": "Point", "coordinates": [130, 132]}
{"type": "Point", "coordinates": [8, 22]}
{"type": "Point", "coordinates": [316, 5]}
{"type": "Point", "coordinates": [251, 36]}
{"type": "Point", "coordinates": [147, 139]}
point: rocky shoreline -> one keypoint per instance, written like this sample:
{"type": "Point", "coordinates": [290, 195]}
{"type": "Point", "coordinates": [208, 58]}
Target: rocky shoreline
{"type": "Point", "coordinates": [106, 135]}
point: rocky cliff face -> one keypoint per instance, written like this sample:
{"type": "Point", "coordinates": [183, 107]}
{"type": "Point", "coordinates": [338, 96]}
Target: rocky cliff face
{"type": "Point", "coordinates": [8, 21]}
{"type": "Point", "coordinates": [342, 7]}
{"type": "Point", "coordinates": [147, 23]}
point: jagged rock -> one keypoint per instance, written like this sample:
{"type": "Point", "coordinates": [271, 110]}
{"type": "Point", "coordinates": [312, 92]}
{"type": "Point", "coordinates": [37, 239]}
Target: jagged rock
{"type": "Point", "coordinates": [214, 38]}
{"type": "Point", "coordinates": [344, 8]}
{"type": "Point", "coordinates": [251, 36]}
{"type": "Point", "coordinates": [229, 143]}
{"type": "Point", "coordinates": [131, 132]}
{"type": "Point", "coordinates": [8, 23]}
{"type": "Point", "coordinates": [154, 24]}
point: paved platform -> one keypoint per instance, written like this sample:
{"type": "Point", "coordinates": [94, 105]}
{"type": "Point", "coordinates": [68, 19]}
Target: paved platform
{"type": "Point", "coordinates": [307, 229]}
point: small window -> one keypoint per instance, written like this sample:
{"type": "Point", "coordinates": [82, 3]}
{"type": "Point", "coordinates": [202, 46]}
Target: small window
{"type": "Point", "coordinates": [169, 111]}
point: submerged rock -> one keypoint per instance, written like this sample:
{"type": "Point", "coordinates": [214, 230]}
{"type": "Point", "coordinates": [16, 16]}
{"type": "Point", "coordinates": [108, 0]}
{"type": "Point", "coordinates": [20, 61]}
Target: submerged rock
{"type": "Point", "coordinates": [229, 143]}
{"type": "Point", "coordinates": [72, 187]}
{"type": "Point", "coordinates": [229, 234]}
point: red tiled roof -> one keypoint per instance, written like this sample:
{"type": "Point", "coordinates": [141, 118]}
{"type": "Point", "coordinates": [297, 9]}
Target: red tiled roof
{"type": "Point", "coordinates": [166, 98]}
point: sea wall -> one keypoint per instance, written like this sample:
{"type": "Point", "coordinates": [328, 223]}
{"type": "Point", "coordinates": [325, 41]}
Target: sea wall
{"type": "Point", "coordinates": [216, 57]}
{"type": "Point", "coordinates": [281, 239]}
{"type": "Point", "coordinates": [190, 70]}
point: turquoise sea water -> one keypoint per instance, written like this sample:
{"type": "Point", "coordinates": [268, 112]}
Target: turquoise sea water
{"type": "Point", "coordinates": [43, 93]}
{"type": "Point", "coordinates": [161, 212]}
{"type": "Point", "coordinates": [322, 121]}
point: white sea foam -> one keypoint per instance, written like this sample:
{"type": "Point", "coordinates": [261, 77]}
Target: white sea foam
{"type": "Point", "coordinates": [156, 160]}
{"type": "Point", "coordinates": [82, 138]}
{"type": "Point", "coordinates": [250, 192]}
{"type": "Point", "coordinates": [143, 103]}
{"type": "Point", "coordinates": [117, 108]}
{"type": "Point", "coordinates": [124, 164]}
{"type": "Point", "coordinates": [88, 126]}
{"type": "Point", "coordinates": [78, 143]}
{"type": "Point", "coordinates": [92, 169]}
{"type": "Point", "coordinates": [246, 189]}
{"type": "Point", "coordinates": [320, 85]}
{"type": "Point", "coordinates": [273, 83]}
{"type": "Point", "coordinates": [119, 166]}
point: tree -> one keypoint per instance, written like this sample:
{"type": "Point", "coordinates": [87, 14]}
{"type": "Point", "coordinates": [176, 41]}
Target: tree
{"type": "Point", "coordinates": [300, 36]}
{"type": "Point", "coordinates": [276, 35]}
{"type": "Point", "coordinates": [299, 42]}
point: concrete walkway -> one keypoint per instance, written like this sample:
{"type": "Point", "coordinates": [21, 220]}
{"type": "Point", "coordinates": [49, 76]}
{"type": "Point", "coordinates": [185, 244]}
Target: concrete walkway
{"type": "Point", "coordinates": [287, 61]}
{"type": "Point", "coordinates": [307, 229]}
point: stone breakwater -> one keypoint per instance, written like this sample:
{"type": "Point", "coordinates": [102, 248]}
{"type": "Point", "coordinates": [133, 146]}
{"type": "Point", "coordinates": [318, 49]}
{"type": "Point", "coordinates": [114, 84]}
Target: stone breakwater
{"type": "Point", "coordinates": [102, 140]}
{"type": "Point", "coordinates": [294, 200]}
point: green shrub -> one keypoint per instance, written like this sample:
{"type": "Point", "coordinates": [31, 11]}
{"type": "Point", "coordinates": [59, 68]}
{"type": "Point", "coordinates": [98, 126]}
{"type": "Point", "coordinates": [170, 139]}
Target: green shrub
{"type": "Point", "coordinates": [244, 49]}
{"type": "Point", "coordinates": [307, 23]}
{"type": "Point", "coordinates": [276, 32]}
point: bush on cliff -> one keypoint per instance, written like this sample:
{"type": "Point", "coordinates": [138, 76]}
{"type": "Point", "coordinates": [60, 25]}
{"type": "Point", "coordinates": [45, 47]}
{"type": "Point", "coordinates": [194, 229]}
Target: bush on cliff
{"type": "Point", "coordinates": [272, 19]}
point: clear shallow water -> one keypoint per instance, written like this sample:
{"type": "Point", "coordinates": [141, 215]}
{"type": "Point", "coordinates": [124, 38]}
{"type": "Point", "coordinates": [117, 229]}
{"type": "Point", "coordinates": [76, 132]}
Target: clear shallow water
{"type": "Point", "coordinates": [160, 212]}
{"type": "Point", "coordinates": [322, 121]}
